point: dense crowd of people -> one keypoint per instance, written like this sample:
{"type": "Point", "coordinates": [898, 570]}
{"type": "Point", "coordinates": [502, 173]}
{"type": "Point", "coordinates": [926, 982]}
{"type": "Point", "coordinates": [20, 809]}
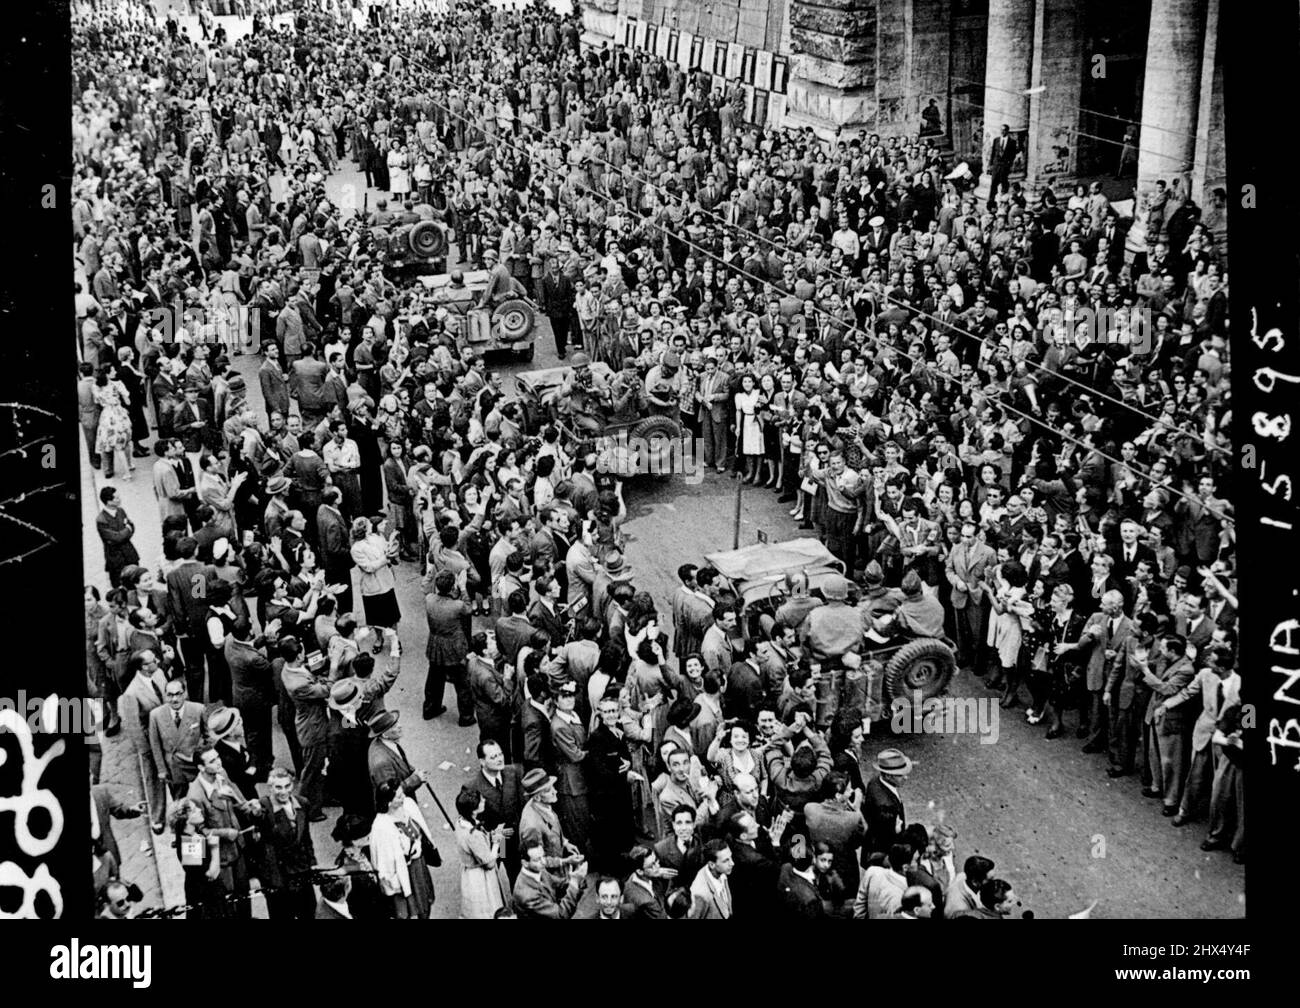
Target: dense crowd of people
{"type": "Point", "coordinates": [916, 371]}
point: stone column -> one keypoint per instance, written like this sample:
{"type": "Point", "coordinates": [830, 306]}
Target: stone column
{"type": "Point", "coordinates": [1059, 65]}
{"type": "Point", "coordinates": [1007, 73]}
{"type": "Point", "coordinates": [1171, 92]}
{"type": "Point", "coordinates": [1208, 168]}
{"type": "Point", "coordinates": [833, 72]}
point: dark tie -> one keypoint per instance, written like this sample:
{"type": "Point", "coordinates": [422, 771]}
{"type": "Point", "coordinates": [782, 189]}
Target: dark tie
{"type": "Point", "coordinates": [156, 690]}
{"type": "Point", "coordinates": [1218, 698]}
{"type": "Point", "coordinates": [177, 717]}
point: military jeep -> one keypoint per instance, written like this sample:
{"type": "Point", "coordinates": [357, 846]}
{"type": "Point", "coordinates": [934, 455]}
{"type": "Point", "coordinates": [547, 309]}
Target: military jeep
{"type": "Point", "coordinates": [756, 575]}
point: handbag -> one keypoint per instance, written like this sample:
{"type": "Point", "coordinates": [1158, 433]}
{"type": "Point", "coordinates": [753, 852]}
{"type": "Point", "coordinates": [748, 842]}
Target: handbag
{"type": "Point", "coordinates": [429, 852]}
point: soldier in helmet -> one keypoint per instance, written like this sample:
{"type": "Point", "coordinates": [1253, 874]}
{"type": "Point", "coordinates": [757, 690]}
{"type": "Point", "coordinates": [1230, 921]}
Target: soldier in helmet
{"type": "Point", "coordinates": [455, 299]}
{"type": "Point", "coordinates": [584, 398]}
{"type": "Point", "coordinates": [628, 392]}
{"type": "Point", "coordinates": [663, 385]}
{"type": "Point", "coordinates": [501, 286]}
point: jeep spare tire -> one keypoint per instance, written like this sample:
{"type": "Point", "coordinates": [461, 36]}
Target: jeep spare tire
{"type": "Point", "coordinates": [922, 666]}
{"type": "Point", "coordinates": [514, 319]}
{"type": "Point", "coordinates": [427, 240]}
{"type": "Point", "coordinates": [661, 437]}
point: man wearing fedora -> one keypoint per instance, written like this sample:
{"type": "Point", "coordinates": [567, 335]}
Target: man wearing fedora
{"type": "Point", "coordinates": [539, 824]}
{"type": "Point", "coordinates": [356, 700]}
{"type": "Point", "coordinates": [276, 515]}
{"type": "Point", "coordinates": [882, 806]}
{"type": "Point", "coordinates": [614, 570]}
{"type": "Point", "coordinates": [386, 758]}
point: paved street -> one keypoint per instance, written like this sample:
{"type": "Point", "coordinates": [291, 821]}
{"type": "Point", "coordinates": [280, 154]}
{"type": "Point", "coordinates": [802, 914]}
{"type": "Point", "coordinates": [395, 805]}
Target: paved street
{"type": "Point", "coordinates": [1056, 827]}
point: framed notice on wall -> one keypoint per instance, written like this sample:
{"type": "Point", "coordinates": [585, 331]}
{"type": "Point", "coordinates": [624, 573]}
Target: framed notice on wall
{"type": "Point", "coordinates": [685, 51]}
{"type": "Point", "coordinates": [674, 39]}
{"type": "Point", "coordinates": [696, 54]}
{"type": "Point", "coordinates": [642, 29]}
{"type": "Point", "coordinates": [651, 36]}
{"type": "Point", "coordinates": [707, 49]}
{"type": "Point", "coordinates": [662, 39]}
{"type": "Point", "coordinates": [780, 74]}
{"type": "Point", "coordinates": [720, 59]}
{"type": "Point", "coordinates": [747, 61]}
{"type": "Point", "coordinates": [630, 31]}
{"type": "Point", "coordinates": [735, 59]}
{"type": "Point", "coordinates": [775, 110]}
{"type": "Point", "coordinates": [763, 69]}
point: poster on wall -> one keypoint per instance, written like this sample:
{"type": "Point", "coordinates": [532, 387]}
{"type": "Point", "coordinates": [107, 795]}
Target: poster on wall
{"type": "Point", "coordinates": [780, 74]}
{"type": "Point", "coordinates": [720, 59]}
{"type": "Point", "coordinates": [758, 115]}
{"type": "Point", "coordinates": [670, 50]}
{"type": "Point", "coordinates": [707, 48]}
{"type": "Point", "coordinates": [747, 90]}
{"type": "Point", "coordinates": [775, 110]}
{"type": "Point", "coordinates": [642, 30]}
{"type": "Point", "coordinates": [735, 57]}
{"type": "Point", "coordinates": [651, 35]}
{"type": "Point", "coordinates": [686, 51]}
{"type": "Point", "coordinates": [629, 32]}
{"type": "Point", "coordinates": [763, 69]}
{"type": "Point", "coordinates": [747, 61]}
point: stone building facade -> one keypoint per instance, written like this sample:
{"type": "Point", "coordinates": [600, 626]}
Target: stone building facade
{"type": "Point", "coordinates": [1070, 78]}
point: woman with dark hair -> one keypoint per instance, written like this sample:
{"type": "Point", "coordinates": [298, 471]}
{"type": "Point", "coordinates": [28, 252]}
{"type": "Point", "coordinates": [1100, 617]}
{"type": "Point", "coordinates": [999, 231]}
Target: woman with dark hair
{"type": "Point", "coordinates": [483, 885]}
{"type": "Point", "coordinates": [401, 844]}
{"type": "Point", "coordinates": [730, 753]}
{"type": "Point", "coordinates": [366, 901]}
{"type": "Point", "coordinates": [200, 858]}
{"type": "Point", "coordinates": [113, 435]}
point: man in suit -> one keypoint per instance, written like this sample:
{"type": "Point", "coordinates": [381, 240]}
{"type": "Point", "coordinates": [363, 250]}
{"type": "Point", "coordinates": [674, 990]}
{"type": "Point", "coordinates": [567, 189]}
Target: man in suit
{"type": "Point", "coordinates": [539, 823]}
{"type": "Point", "coordinates": [225, 815]}
{"type": "Point", "coordinates": [754, 851]}
{"type": "Point", "coordinates": [641, 899]}
{"type": "Point", "coordinates": [1194, 623]}
{"type": "Point", "coordinates": [569, 742]}
{"type": "Point", "coordinates": [448, 620]}
{"type": "Point", "coordinates": [544, 614]}
{"type": "Point", "coordinates": [333, 904]}
{"type": "Point", "coordinates": [335, 546]}
{"type": "Point", "coordinates": [1169, 714]}
{"type": "Point", "coordinates": [500, 784]}
{"type": "Point", "coordinates": [798, 898]}
{"type": "Point", "coordinates": [882, 806]}
{"type": "Point", "coordinates": [557, 301]}
{"type": "Point", "coordinates": [167, 489]}
{"type": "Point", "coordinates": [1129, 552]}
{"type": "Point", "coordinates": [386, 759]}
{"type": "Point", "coordinates": [192, 421]}
{"type": "Point", "coordinates": [287, 849]}
{"type": "Point", "coordinates": [838, 821]}
{"type": "Point", "coordinates": [104, 808]}
{"type": "Point", "coordinates": [1121, 695]}
{"type": "Point", "coordinates": [539, 894]}
{"type": "Point", "coordinates": [1105, 637]}
{"type": "Point", "coordinates": [176, 732]}
{"type": "Point", "coordinates": [1210, 687]}
{"type": "Point", "coordinates": [307, 384]}
{"type": "Point", "coordinates": [715, 399]}
{"type": "Point", "coordinates": [711, 890]}
{"type": "Point", "coordinates": [187, 599]}
{"type": "Point", "coordinates": [309, 693]}
{"type": "Point", "coordinates": [273, 381]}
{"type": "Point", "coordinates": [144, 693]}
{"type": "Point", "coordinates": [1001, 156]}
{"type": "Point", "coordinates": [966, 569]}
{"type": "Point", "coordinates": [115, 531]}
{"type": "Point", "coordinates": [253, 689]}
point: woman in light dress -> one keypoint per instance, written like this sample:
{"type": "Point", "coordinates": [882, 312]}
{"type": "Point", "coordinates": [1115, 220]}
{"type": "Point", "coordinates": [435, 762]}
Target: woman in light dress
{"type": "Point", "coordinates": [483, 882]}
{"type": "Point", "coordinates": [749, 428]}
{"type": "Point", "coordinates": [399, 179]}
{"type": "Point", "coordinates": [113, 434]}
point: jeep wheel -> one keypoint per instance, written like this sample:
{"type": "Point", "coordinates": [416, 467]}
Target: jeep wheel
{"type": "Point", "coordinates": [662, 437]}
{"type": "Point", "coordinates": [922, 666]}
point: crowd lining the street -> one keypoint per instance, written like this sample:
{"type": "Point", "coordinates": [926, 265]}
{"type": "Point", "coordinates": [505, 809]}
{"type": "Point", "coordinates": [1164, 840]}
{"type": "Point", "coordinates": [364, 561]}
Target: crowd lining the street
{"type": "Point", "coordinates": [840, 322]}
